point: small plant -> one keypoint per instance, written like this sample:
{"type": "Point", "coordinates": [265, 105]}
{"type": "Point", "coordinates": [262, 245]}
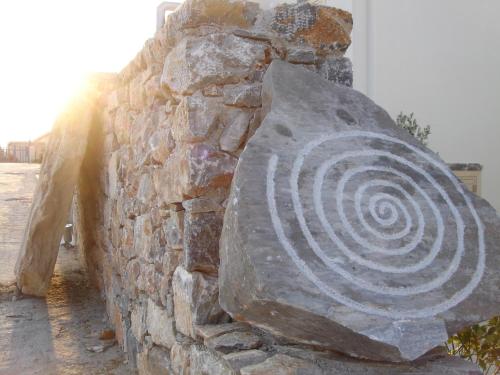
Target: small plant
{"type": "Point", "coordinates": [479, 344]}
{"type": "Point", "coordinates": [410, 124]}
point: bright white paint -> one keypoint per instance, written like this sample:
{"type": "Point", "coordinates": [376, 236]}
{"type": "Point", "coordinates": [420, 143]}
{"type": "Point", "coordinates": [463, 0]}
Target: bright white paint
{"type": "Point", "coordinates": [438, 59]}
{"type": "Point", "coordinates": [352, 255]}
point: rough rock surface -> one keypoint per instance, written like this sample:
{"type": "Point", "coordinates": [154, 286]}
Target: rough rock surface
{"type": "Point", "coordinates": [299, 362]}
{"type": "Point", "coordinates": [343, 231]}
{"type": "Point", "coordinates": [53, 196]}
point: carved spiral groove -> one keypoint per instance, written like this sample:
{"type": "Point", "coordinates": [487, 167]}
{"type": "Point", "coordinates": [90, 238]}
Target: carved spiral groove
{"type": "Point", "coordinates": [383, 226]}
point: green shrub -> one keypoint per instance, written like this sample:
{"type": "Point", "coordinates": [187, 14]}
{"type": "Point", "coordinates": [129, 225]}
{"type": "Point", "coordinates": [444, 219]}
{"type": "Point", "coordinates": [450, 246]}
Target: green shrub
{"type": "Point", "coordinates": [479, 344]}
{"type": "Point", "coordinates": [410, 124]}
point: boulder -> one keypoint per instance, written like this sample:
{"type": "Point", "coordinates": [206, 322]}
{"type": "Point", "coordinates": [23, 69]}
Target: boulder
{"type": "Point", "coordinates": [50, 209]}
{"type": "Point", "coordinates": [343, 231]}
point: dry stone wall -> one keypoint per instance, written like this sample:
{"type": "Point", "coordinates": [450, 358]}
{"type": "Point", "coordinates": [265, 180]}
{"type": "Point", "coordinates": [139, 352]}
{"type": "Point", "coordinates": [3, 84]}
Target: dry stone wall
{"type": "Point", "coordinates": [171, 136]}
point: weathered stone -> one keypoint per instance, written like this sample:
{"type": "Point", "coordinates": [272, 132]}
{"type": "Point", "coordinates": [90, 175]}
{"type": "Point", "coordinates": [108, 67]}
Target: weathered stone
{"type": "Point", "coordinates": [160, 326]}
{"type": "Point", "coordinates": [281, 364]}
{"type": "Point", "coordinates": [143, 233]}
{"type": "Point", "coordinates": [234, 341]}
{"type": "Point", "coordinates": [196, 117]}
{"type": "Point", "coordinates": [343, 231]}
{"type": "Point", "coordinates": [196, 301]}
{"type": "Point", "coordinates": [122, 124]}
{"type": "Point", "coordinates": [192, 171]}
{"type": "Point", "coordinates": [243, 95]}
{"type": "Point", "coordinates": [325, 28]}
{"type": "Point", "coordinates": [215, 59]}
{"type": "Point", "coordinates": [53, 196]}
{"type": "Point", "coordinates": [202, 205]}
{"type": "Point", "coordinates": [146, 189]}
{"type": "Point", "coordinates": [338, 70]}
{"type": "Point", "coordinates": [204, 362]}
{"type": "Point", "coordinates": [213, 91]}
{"type": "Point", "coordinates": [196, 13]}
{"type": "Point", "coordinates": [154, 362]}
{"type": "Point", "coordinates": [236, 122]}
{"type": "Point", "coordinates": [329, 363]}
{"type": "Point", "coordinates": [238, 360]}
{"type": "Point", "coordinates": [180, 359]}
{"type": "Point", "coordinates": [210, 331]}
{"type": "Point", "coordinates": [138, 320]}
{"type": "Point", "coordinates": [174, 230]}
{"type": "Point", "coordinates": [301, 56]}
{"type": "Point", "coordinates": [201, 241]}
{"type": "Point", "coordinates": [113, 181]}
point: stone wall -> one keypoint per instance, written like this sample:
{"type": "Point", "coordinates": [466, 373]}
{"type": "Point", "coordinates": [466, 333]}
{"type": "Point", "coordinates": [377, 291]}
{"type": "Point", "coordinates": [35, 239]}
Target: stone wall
{"type": "Point", "coordinates": [154, 187]}
{"type": "Point", "coordinates": [153, 190]}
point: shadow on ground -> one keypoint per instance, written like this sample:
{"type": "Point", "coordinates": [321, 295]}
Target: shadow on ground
{"type": "Point", "coordinates": [53, 335]}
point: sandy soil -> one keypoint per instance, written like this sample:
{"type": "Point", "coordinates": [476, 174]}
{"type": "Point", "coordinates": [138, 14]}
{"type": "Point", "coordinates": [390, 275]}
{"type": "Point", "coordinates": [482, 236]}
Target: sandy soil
{"type": "Point", "coordinates": [59, 334]}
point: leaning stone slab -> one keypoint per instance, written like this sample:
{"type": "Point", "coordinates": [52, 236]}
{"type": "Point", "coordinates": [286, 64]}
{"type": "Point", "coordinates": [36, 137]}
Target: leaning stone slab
{"type": "Point", "coordinates": [52, 200]}
{"type": "Point", "coordinates": [342, 231]}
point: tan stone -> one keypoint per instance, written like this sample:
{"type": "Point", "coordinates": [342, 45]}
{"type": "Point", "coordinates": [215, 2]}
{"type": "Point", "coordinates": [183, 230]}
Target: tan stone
{"type": "Point", "coordinates": [52, 199]}
{"type": "Point", "coordinates": [193, 170]}
{"type": "Point", "coordinates": [196, 301]}
{"type": "Point", "coordinates": [160, 326]}
{"type": "Point", "coordinates": [196, 117]}
{"type": "Point", "coordinates": [215, 59]}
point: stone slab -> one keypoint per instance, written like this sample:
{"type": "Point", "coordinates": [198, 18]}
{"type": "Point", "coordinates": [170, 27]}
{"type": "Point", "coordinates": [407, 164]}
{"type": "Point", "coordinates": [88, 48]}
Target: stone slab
{"type": "Point", "coordinates": [53, 196]}
{"type": "Point", "coordinates": [343, 231]}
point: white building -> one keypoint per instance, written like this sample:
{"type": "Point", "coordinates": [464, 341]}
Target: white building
{"type": "Point", "coordinates": [440, 60]}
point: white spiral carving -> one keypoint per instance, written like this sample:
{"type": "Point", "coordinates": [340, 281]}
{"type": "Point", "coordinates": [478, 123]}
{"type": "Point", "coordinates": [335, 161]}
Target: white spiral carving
{"type": "Point", "coordinates": [400, 216]}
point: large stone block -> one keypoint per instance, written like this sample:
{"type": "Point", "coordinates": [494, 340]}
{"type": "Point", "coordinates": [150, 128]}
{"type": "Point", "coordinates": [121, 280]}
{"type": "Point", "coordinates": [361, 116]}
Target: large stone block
{"type": "Point", "coordinates": [343, 231]}
{"type": "Point", "coordinates": [196, 117]}
{"type": "Point", "coordinates": [196, 301]}
{"type": "Point", "coordinates": [201, 241]}
{"type": "Point", "coordinates": [204, 362]}
{"type": "Point", "coordinates": [53, 196]}
{"type": "Point", "coordinates": [327, 29]}
{"type": "Point", "coordinates": [196, 13]}
{"type": "Point", "coordinates": [192, 171]}
{"type": "Point", "coordinates": [214, 59]}
{"type": "Point", "coordinates": [160, 326]}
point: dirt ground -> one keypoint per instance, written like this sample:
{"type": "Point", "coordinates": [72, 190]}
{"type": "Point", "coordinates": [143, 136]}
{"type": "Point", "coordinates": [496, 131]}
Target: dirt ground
{"type": "Point", "coordinates": [59, 334]}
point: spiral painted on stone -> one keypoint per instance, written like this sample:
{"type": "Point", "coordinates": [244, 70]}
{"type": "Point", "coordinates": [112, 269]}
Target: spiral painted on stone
{"type": "Point", "coordinates": [380, 226]}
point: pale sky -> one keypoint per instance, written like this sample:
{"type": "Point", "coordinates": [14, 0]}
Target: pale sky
{"type": "Point", "coordinates": [49, 46]}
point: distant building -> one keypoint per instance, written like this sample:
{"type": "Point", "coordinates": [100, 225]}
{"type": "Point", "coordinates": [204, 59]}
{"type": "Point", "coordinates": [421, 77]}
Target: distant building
{"type": "Point", "coordinates": [27, 152]}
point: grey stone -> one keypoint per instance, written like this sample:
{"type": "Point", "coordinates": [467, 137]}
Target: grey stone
{"type": "Point", "coordinates": [330, 363]}
{"type": "Point", "coordinates": [301, 56]}
{"type": "Point", "coordinates": [234, 341]}
{"type": "Point", "coordinates": [204, 362]}
{"type": "Point", "coordinates": [238, 360]}
{"type": "Point", "coordinates": [300, 362]}
{"type": "Point", "coordinates": [154, 362]}
{"type": "Point", "coordinates": [196, 301]}
{"type": "Point", "coordinates": [343, 231]}
{"type": "Point", "coordinates": [160, 325]}
{"type": "Point", "coordinates": [236, 122]}
{"type": "Point", "coordinates": [201, 241]}
{"type": "Point", "coordinates": [214, 59]}
{"type": "Point", "coordinates": [243, 95]}
{"type": "Point", "coordinates": [211, 331]}
{"type": "Point", "coordinates": [338, 70]}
